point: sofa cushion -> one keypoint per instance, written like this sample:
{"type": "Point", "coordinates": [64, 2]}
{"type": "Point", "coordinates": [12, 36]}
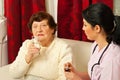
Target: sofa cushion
{"type": "Point", "coordinates": [4, 73]}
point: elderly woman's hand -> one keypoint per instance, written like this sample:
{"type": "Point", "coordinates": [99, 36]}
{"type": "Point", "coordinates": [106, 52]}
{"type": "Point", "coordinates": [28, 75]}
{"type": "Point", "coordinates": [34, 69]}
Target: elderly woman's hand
{"type": "Point", "coordinates": [32, 53]}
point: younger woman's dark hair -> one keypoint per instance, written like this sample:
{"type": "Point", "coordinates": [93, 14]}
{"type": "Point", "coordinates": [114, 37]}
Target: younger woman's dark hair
{"type": "Point", "coordinates": [102, 15]}
{"type": "Point", "coordinates": [41, 15]}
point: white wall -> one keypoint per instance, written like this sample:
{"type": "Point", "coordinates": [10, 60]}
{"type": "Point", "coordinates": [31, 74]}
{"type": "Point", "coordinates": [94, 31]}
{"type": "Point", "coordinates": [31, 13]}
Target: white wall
{"type": "Point", "coordinates": [117, 7]}
{"type": "Point", "coordinates": [52, 8]}
{"type": "Point", "coordinates": [1, 8]}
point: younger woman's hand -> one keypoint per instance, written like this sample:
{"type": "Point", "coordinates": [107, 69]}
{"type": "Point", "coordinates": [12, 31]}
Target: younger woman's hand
{"type": "Point", "coordinates": [70, 72]}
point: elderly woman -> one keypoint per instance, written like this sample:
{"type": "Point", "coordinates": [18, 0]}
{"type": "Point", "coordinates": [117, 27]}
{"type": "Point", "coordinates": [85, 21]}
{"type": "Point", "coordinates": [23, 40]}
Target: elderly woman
{"type": "Point", "coordinates": [42, 57]}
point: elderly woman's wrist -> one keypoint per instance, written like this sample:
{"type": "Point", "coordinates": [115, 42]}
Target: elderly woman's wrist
{"type": "Point", "coordinates": [28, 58]}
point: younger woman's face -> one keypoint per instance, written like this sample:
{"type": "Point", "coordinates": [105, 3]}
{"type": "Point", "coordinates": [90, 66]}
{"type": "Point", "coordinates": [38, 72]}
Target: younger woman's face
{"type": "Point", "coordinates": [89, 30]}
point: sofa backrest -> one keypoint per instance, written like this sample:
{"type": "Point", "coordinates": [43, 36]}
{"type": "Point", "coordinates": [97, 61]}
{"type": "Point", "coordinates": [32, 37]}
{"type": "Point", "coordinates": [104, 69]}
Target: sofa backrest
{"type": "Point", "coordinates": [81, 53]}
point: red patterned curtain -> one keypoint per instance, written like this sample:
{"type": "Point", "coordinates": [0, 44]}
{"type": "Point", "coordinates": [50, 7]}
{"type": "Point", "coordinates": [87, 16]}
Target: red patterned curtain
{"type": "Point", "coordinates": [18, 13]}
{"type": "Point", "coordinates": [108, 2]}
{"type": "Point", "coordinates": [70, 18]}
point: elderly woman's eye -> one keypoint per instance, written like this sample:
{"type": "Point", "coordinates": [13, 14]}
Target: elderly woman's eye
{"type": "Point", "coordinates": [35, 26]}
{"type": "Point", "coordinates": [44, 25]}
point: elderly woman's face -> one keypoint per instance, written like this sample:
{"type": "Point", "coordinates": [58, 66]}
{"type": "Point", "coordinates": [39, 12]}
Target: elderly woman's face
{"type": "Point", "coordinates": [42, 31]}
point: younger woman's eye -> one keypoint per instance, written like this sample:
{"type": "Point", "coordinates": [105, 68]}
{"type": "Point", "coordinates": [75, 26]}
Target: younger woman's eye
{"type": "Point", "coordinates": [84, 25]}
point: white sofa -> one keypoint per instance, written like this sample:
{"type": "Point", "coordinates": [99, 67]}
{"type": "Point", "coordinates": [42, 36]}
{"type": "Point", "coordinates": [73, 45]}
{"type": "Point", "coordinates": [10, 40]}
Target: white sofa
{"type": "Point", "coordinates": [81, 56]}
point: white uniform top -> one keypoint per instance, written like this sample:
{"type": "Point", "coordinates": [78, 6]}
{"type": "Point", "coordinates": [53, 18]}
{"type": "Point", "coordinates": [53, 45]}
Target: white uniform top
{"type": "Point", "coordinates": [109, 67]}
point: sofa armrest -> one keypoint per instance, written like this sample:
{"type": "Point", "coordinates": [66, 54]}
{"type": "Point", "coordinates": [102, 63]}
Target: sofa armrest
{"type": "Point", "coordinates": [3, 42]}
